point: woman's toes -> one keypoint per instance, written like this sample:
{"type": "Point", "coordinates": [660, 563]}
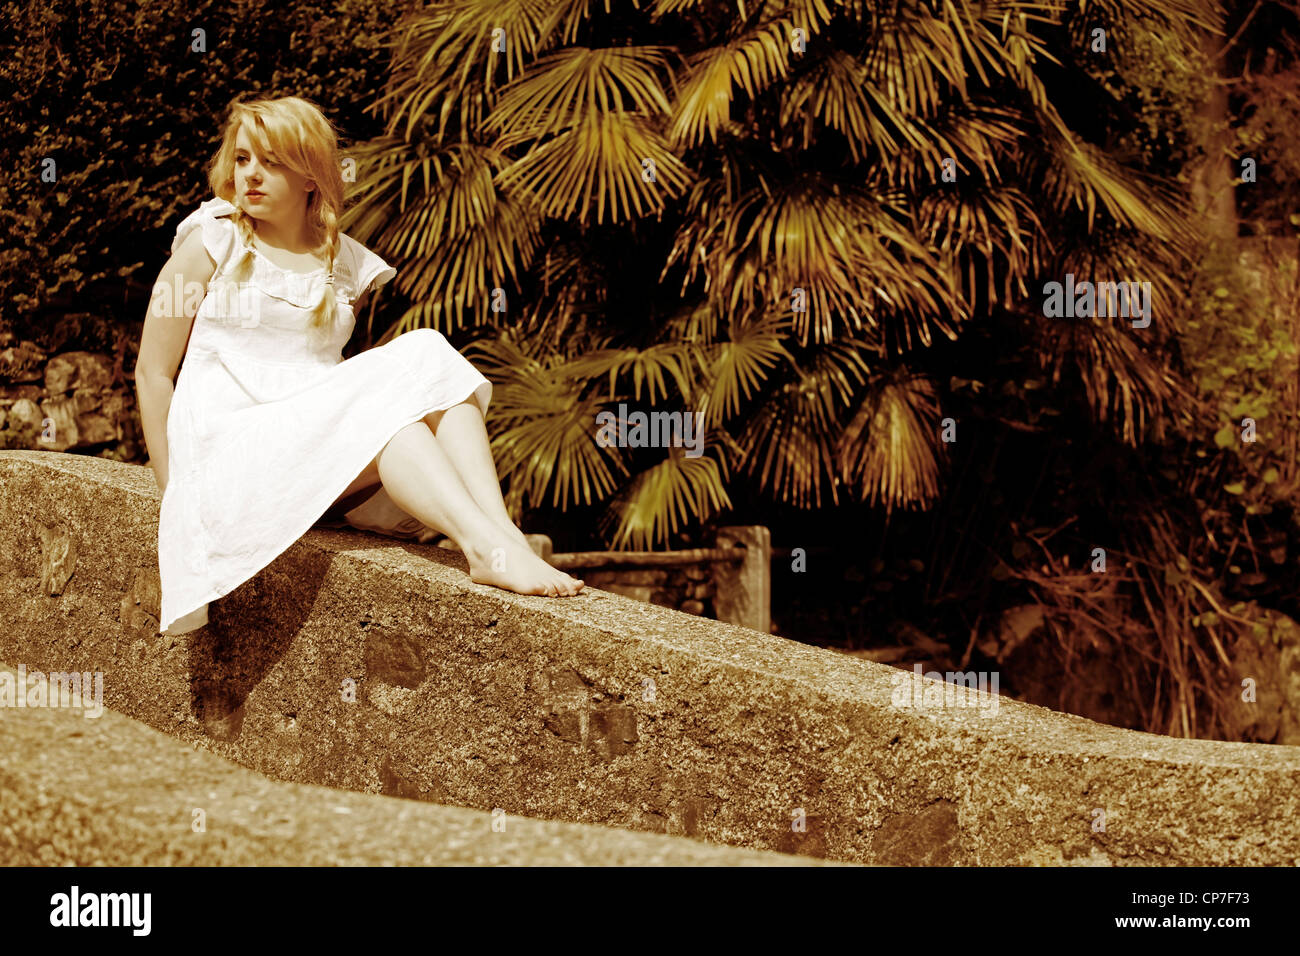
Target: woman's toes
{"type": "Point", "coordinates": [523, 572]}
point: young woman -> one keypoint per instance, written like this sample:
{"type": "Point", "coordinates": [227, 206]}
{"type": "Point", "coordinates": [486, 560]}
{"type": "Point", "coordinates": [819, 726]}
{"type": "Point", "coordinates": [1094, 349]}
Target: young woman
{"type": "Point", "coordinates": [267, 430]}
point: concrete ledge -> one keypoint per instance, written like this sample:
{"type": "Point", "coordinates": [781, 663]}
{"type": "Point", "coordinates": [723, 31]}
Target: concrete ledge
{"type": "Point", "coordinates": [595, 709]}
{"type": "Point", "coordinates": [109, 791]}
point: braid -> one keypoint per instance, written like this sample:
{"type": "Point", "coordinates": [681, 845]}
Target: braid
{"type": "Point", "coordinates": [243, 269]}
{"type": "Point", "coordinates": [324, 314]}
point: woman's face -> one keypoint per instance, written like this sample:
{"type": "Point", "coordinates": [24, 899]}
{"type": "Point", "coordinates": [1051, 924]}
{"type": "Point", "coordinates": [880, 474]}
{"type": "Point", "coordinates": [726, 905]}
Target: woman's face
{"type": "Point", "coordinates": [267, 190]}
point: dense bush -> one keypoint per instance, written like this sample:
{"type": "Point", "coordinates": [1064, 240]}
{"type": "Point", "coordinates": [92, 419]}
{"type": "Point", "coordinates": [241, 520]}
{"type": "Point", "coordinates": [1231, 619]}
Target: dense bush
{"type": "Point", "coordinates": [115, 104]}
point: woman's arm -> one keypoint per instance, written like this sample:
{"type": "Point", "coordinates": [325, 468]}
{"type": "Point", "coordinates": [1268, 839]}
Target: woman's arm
{"type": "Point", "coordinates": [162, 344]}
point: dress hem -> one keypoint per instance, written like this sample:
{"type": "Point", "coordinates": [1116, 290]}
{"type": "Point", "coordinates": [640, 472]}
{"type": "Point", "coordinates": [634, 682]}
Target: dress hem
{"type": "Point", "coordinates": [221, 591]}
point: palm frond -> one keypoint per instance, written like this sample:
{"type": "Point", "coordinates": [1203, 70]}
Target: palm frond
{"type": "Point", "coordinates": [439, 48]}
{"type": "Point", "coordinates": [668, 496]}
{"type": "Point", "coordinates": [991, 224]}
{"type": "Point", "coordinates": [740, 364]}
{"type": "Point", "coordinates": [704, 98]}
{"type": "Point", "coordinates": [1127, 384]}
{"type": "Point", "coordinates": [789, 441]}
{"type": "Point", "coordinates": [890, 448]}
{"type": "Point", "coordinates": [1082, 175]}
{"type": "Point", "coordinates": [693, 322]}
{"type": "Point", "coordinates": [543, 430]}
{"type": "Point", "coordinates": [456, 237]}
{"type": "Point", "coordinates": [915, 58]}
{"type": "Point", "coordinates": [560, 89]}
{"type": "Point", "coordinates": [603, 154]}
{"type": "Point", "coordinates": [651, 366]}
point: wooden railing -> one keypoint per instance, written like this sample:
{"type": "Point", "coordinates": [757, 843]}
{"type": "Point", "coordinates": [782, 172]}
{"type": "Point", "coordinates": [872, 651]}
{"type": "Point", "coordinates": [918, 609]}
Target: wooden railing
{"type": "Point", "coordinates": [740, 565]}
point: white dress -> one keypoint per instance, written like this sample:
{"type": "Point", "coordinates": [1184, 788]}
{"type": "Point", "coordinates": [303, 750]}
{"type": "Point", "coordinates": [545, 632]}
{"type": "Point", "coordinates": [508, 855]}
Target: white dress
{"type": "Point", "coordinates": [268, 425]}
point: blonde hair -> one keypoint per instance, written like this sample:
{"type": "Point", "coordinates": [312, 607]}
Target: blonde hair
{"type": "Point", "coordinates": [294, 132]}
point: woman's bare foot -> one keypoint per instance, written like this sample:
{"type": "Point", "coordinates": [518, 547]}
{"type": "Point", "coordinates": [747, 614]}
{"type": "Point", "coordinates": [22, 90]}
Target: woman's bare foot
{"type": "Point", "coordinates": [567, 583]}
{"type": "Point", "coordinates": [510, 564]}
{"type": "Point", "coordinates": [510, 528]}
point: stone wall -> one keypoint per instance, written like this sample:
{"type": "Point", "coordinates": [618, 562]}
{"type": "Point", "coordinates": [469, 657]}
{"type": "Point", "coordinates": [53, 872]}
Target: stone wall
{"type": "Point", "coordinates": [157, 802]}
{"type": "Point", "coordinates": [383, 668]}
{"type": "Point", "coordinates": [72, 400]}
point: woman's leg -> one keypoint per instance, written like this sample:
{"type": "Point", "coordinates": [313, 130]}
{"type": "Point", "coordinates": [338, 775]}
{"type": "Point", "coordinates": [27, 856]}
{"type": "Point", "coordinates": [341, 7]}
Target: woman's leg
{"type": "Point", "coordinates": [462, 433]}
{"type": "Point", "coordinates": [465, 438]}
{"type": "Point", "coordinates": [466, 442]}
{"type": "Point", "coordinates": [419, 476]}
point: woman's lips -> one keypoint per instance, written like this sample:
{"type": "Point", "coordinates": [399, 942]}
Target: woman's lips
{"type": "Point", "coordinates": [254, 196]}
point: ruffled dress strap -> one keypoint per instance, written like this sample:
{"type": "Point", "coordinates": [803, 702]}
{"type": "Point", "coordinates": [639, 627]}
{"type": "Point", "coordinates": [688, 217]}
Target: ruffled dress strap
{"type": "Point", "coordinates": [356, 268]}
{"type": "Point", "coordinates": [219, 233]}
{"type": "Point", "coordinates": [359, 269]}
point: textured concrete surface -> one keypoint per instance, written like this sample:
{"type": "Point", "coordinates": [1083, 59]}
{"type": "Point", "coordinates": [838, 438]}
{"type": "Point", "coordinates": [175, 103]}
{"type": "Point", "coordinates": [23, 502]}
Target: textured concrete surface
{"type": "Point", "coordinates": [367, 664]}
{"type": "Point", "coordinates": [109, 791]}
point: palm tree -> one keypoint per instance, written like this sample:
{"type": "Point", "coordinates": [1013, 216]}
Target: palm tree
{"type": "Point", "coordinates": [766, 213]}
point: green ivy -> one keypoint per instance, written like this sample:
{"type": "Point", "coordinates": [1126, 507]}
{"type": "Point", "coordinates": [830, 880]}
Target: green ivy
{"type": "Point", "coordinates": [1239, 352]}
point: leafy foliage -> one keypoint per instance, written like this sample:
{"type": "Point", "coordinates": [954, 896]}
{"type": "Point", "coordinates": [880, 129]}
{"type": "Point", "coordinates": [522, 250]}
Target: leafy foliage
{"type": "Point", "coordinates": [798, 251]}
{"type": "Point", "coordinates": [116, 103]}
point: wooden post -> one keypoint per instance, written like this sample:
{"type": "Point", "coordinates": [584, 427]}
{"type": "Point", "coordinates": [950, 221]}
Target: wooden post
{"type": "Point", "coordinates": [743, 590]}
